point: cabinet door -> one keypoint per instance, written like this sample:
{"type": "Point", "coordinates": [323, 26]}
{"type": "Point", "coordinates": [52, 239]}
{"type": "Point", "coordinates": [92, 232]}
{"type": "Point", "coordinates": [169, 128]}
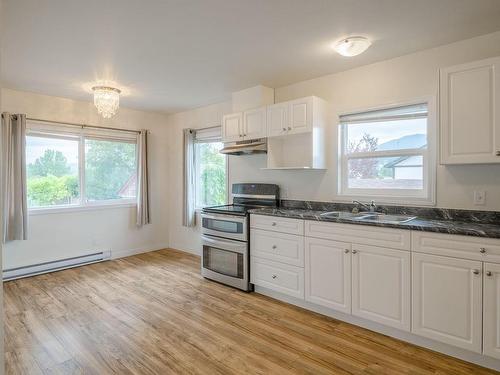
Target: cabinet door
{"type": "Point", "coordinates": [470, 110]}
{"type": "Point", "coordinates": [328, 273]}
{"type": "Point", "coordinates": [381, 285]}
{"type": "Point", "coordinates": [301, 115]}
{"type": "Point", "coordinates": [254, 124]}
{"type": "Point", "coordinates": [277, 119]}
{"type": "Point", "coordinates": [232, 127]}
{"type": "Point", "coordinates": [491, 330]}
{"type": "Point", "coordinates": [447, 300]}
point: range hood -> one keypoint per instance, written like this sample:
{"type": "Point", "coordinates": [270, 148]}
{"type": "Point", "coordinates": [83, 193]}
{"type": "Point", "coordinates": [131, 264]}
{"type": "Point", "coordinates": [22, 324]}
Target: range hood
{"type": "Point", "coordinates": [257, 146]}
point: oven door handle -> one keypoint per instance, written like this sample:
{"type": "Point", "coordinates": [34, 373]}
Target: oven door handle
{"type": "Point", "coordinates": [223, 218]}
{"type": "Point", "coordinates": [235, 246]}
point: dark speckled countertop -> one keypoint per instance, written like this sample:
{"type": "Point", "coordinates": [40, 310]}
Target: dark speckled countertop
{"type": "Point", "coordinates": [467, 228]}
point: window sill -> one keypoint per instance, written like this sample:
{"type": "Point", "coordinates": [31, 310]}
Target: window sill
{"type": "Point", "coordinates": [387, 200]}
{"type": "Point", "coordinates": [69, 209]}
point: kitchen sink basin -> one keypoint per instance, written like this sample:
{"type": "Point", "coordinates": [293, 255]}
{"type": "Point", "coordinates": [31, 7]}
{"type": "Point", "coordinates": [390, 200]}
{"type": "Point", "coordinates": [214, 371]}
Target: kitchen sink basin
{"type": "Point", "coordinates": [383, 218]}
{"type": "Point", "coordinates": [344, 215]}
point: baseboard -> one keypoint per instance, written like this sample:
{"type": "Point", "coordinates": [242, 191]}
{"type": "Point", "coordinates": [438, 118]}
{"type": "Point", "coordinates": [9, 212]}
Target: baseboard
{"type": "Point", "coordinates": [450, 350]}
{"type": "Point", "coordinates": [116, 254]}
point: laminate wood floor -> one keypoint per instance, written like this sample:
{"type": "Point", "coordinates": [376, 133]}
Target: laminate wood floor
{"type": "Point", "coordinates": [154, 314]}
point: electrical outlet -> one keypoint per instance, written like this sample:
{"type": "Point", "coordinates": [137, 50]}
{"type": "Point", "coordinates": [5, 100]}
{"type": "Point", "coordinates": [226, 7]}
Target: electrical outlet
{"type": "Point", "coordinates": [479, 197]}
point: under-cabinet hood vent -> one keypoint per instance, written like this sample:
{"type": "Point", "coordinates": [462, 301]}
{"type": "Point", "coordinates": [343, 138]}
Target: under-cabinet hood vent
{"type": "Point", "coordinates": [258, 146]}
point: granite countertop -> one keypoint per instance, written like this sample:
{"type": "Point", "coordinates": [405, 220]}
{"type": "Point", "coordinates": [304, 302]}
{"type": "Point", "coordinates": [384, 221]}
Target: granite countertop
{"type": "Point", "coordinates": [477, 229]}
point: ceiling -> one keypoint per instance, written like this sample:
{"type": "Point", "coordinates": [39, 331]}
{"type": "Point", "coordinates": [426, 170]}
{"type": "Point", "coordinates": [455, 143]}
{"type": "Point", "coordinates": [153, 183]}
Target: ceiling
{"type": "Point", "coordinates": [171, 55]}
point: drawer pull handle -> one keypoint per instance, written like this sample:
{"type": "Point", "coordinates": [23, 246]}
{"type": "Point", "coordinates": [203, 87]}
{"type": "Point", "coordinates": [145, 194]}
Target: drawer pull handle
{"type": "Point", "coordinates": [346, 251]}
{"type": "Point", "coordinates": [482, 250]}
{"type": "Point", "coordinates": [475, 272]}
{"type": "Point", "coordinates": [355, 251]}
{"type": "Point", "coordinates": [289, 128]}
{"type": "Point", "coordinates": [274, 246]}
{"type": "Point", "coordinates": [274, 276]}
{"type": "Point", "coordinates": [273, 224]}
{"type": "Point", "coordinates": [284, 129]}
{"type": "Point", "coordinates": [498, 153]}
{"type": "Point", "coordinates": [489, 273]}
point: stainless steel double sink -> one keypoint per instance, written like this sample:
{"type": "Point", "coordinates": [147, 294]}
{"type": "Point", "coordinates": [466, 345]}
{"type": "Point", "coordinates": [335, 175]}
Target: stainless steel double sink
{"type": "Point", "coordinates": [369, 217]}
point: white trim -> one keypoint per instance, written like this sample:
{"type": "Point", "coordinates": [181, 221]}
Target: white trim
{"type": "Point", "coordinates": [425, 196]}
{"type": "Point", "coordinates": [117, 254]}
{"type": "Point", "coordinates": [77, 208]}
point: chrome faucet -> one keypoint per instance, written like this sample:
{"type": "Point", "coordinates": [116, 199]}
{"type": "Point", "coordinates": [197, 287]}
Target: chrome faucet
{"type": "Point", "coordinates": [371, 208]}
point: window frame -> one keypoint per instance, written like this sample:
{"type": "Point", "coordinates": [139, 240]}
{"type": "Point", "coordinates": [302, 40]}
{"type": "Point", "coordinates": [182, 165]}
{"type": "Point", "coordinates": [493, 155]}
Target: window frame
{"type": "Point", "coordinates": [217, 139]}
{"type": "Point", "coordinates": [80, 136]}
{"type": "Point", "coordinates": [426, 196]}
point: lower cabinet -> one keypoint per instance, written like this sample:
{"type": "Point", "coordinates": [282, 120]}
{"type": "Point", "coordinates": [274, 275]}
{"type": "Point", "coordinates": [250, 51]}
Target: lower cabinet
{"type": "Point", "coordinates": [279, 277]}
{"type": "Point", "coordinates": [491, 324]}
{"type": "Point", "coordinates": [381, 285]}
{"type": "Point", "coordinates": [328, 273]}
{"type": "Point", "coordinates": [447, 300]}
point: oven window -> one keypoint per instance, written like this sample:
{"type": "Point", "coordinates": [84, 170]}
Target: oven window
{"type": "Point", "coordinates": [223, 226]}
{"type": "Point", "coordinates": [223, 261]}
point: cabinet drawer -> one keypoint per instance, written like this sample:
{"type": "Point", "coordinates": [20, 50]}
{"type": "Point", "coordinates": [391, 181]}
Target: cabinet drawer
{"type": "Point", "coordinates": [360, 234]}
{"type": "Point", "coordinates": [279, 277]}
{"type": "Point", "coordinates": [467, 247]}
{"type": "Point", "coordinates": [280, 247]}
{"type": "Point", "coordinates": [277, 224]}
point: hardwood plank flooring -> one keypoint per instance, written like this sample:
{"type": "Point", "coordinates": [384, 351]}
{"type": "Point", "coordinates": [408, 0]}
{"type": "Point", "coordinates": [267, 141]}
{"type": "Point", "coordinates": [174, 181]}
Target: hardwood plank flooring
{"type": "Point", "coordinates": [154, 314]}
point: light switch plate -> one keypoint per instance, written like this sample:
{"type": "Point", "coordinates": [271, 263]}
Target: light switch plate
{"type": "Point", "coordinates": [479, 197]}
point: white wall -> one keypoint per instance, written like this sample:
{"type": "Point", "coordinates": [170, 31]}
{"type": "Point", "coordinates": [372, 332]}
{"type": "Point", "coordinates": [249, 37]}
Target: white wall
{"type": "Point", "coordinates": [62, 235]}
{"type": "Point", "coordinates": [393, 81]}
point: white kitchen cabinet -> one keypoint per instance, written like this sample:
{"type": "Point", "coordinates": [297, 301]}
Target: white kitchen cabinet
{"type": "Point", "coordinates": [470, 112]}
{"type": "Point", "coordinates": [280, 247]}
{"type": "Point", "coordinates": [328, 274]}
{"type": "Point", "coordinates": [280, 277]}
{"type": "Point", "coordinates": [254, 124]}
{"type": "Point", "coordinates": [301, 116]}
{"type": "Point", "coordinates": [277, 119]}
{"type": "Point", "coordinates": [491, 324]}
{"type": "Point", "coordinates": [447, 300]}
{"type": "Point", "coordinates": [232, 127]}
{"type": "Point", "coordinates": [381, 285]}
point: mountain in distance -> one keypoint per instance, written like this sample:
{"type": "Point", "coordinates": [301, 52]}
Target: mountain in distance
{"type": "Point", "coordinates": [408, 141]}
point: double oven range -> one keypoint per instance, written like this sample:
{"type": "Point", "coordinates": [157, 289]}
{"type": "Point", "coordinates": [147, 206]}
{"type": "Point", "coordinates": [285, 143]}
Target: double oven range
{"type": "Point", "coordinates": [225, 234]}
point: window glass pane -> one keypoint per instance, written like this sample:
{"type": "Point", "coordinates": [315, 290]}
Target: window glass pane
{"type": "Point", "coordinates": [110, 170]}
{"type": "Point", "coordinates": [387, 135]}
{"type": "Point", "coordinates": [52, 171]}
{"type": "Point", "coordinates": [210, 174]}
{"type": "Point", "coordinates": [405, 172]}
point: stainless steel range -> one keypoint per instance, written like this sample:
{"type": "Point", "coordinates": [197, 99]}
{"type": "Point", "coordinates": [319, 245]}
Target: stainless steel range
{"type": "Point", "coordinates": [225, 238]}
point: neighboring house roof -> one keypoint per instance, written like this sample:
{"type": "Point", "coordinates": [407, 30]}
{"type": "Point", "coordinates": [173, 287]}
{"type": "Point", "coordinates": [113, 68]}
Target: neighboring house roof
{"type": "Point", "coordinates": [406, 161]}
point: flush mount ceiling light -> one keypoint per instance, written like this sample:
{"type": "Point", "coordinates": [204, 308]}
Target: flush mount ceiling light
{"type": "Point", "coordinates": [352, 46]}
{"type": "Point", "coordinates": [106, 100]}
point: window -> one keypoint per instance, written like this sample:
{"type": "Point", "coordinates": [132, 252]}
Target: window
{"type": "Point", "coordinates": [210, 168]}
{"type": "Point", "coordinates": [386, 154]}
{"type": "Point", "coordinates": [74, 168]}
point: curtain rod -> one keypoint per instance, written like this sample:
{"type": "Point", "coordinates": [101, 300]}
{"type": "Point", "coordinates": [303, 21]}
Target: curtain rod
{"type": "Point", "coordinates": [83, 125]}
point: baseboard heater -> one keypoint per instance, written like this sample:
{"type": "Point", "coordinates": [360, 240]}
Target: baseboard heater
{"type": "Point", "coordinates": [57, 265]}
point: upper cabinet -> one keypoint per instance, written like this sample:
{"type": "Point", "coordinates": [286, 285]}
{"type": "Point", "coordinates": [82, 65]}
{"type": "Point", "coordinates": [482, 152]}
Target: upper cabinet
{"type": "Point", "coordinates": [254, 124]}
{"type": "Point", "coordinates": [244, 126]}
{"type": "Point", "coordinates": [232, 127]}
{"type": "Point", "coordinates": [470, 113]}
{"type": "Point", "coordinates": [293, 117]}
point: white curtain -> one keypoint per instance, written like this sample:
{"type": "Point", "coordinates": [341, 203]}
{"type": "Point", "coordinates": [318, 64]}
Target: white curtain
{"type": "Point", "coordinates": [13, 189]}
{"type": "Point", "coordinates": [143, 216]}
{"type": "Point", "coordinates": [189, 216]}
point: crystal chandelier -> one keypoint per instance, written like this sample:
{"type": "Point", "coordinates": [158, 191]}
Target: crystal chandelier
{"type": "Point", "coordinates": [106, 100]}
